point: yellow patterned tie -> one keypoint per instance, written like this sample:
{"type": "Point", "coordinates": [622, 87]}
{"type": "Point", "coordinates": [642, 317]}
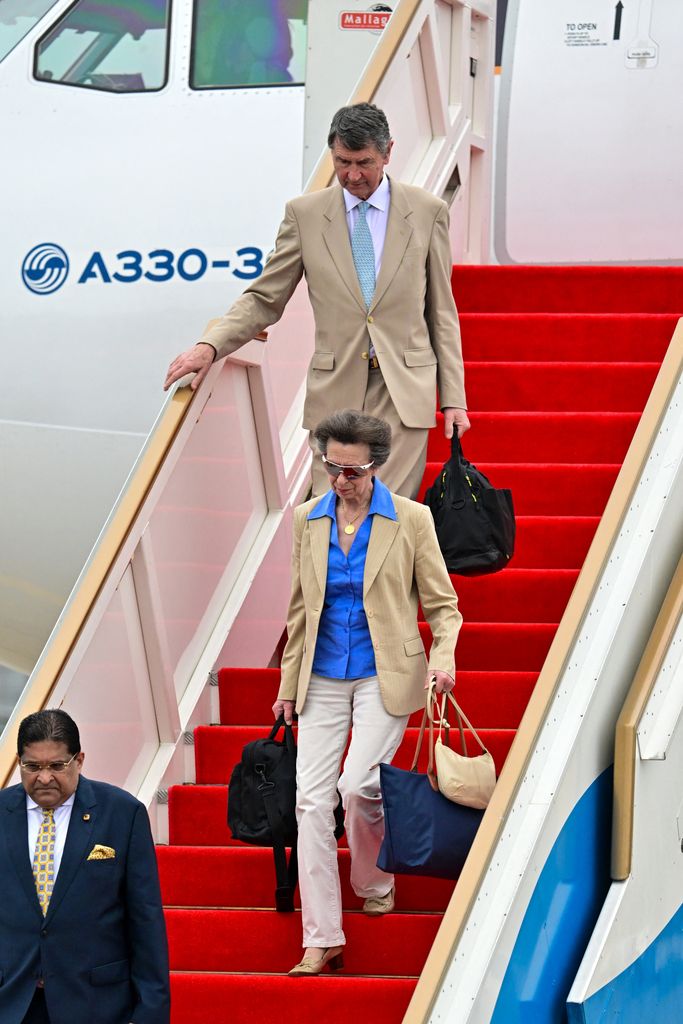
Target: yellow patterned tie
{"type": "Point", "coordinates": [44, 859]}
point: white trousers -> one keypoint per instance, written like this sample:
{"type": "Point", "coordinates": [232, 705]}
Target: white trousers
{"type": "Point", "coordinates": [332, 707]}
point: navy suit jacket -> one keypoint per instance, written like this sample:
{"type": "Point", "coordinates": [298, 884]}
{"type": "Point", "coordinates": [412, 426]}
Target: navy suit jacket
{"type": "Point", "coordinates": [101, 949]}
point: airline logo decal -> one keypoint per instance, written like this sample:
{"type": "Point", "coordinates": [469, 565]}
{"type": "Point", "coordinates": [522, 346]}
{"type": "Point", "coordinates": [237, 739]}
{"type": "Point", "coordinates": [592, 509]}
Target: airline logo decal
{"type": "Point", "coordinates": [45, 268]}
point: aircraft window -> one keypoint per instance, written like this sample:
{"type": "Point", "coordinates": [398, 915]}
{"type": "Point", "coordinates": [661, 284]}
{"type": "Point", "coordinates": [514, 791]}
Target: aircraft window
{"type": "Point", "coordinates": [237, 44]}
{"type": "Point", "coordinates": [111, 45]}
{"type": "Point", "coordinates": [17, 17]}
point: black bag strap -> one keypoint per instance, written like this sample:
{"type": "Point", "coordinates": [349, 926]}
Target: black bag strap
{"type": "Point", "coordinates": [284, 892]}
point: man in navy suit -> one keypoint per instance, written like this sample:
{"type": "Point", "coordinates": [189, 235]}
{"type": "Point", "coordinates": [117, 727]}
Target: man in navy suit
{"type": "Point", "coordinates": [82, 935]}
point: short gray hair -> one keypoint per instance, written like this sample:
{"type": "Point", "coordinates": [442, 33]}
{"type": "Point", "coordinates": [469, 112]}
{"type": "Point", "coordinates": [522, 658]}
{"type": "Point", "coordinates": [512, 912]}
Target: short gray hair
{"type": "Point", "coordinates": [352, 427]}
{"type": "Point", "coordinates": [360, 126]}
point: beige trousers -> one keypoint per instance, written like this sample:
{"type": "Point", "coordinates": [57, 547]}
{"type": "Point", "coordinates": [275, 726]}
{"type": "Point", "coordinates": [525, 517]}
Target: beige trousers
{"type": "Point", "coordinates": [403, 471]}
{"type": "Point", "coordinates": [333, 706]}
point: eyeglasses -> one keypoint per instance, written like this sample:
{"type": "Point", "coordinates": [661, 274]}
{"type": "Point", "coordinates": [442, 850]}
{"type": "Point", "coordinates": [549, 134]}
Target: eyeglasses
{"type": "Point", "coordinates": [54, 767]}
{"type": "Point", "coordinates": [350, 472]}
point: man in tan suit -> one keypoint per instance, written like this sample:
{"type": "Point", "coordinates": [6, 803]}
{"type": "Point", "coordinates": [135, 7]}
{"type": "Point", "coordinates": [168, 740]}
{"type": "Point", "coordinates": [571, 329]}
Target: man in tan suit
{"type": "Point", "coordinates": [377, 261]}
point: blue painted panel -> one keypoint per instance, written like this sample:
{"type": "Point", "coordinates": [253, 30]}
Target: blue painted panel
{"type": "Point", "coordinates": [561, 914]}
{"type": "Point", "coordinates": [650, 989]}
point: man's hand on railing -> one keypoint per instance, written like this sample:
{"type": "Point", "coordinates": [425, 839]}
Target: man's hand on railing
{"type": "Point", "coordinates": [284, 707]}
{"type": "Point", "coordinates": [196, 360]}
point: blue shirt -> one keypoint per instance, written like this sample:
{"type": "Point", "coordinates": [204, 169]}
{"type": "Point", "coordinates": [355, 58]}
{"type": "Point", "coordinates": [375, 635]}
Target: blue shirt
{"type": "Point", "coordinates": [344, 647]}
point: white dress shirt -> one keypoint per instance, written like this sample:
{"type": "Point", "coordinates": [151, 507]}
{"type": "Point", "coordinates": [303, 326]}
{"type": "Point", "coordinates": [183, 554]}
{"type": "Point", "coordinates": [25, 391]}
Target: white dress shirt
{"type": "Point", "coordinates": [62, 817]}
{"type": "Point", "coordinates": [377, 215]}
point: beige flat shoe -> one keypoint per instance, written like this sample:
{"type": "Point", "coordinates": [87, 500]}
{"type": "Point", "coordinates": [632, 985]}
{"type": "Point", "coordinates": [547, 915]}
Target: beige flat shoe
{"type": "Point", "coordinates": [377, 906]}
{"type": "Point", "coordinates": [332, 958]}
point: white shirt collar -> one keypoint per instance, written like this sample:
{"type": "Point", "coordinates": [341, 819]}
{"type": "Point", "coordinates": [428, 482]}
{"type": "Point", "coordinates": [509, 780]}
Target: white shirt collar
{"type": "Point", "coordinates": [31, 805]}
{"type": "Point", "coordinates": [378, 199]}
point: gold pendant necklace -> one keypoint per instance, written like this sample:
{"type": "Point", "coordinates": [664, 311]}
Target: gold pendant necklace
{"type": "Point", "coordinates": [350, 528]}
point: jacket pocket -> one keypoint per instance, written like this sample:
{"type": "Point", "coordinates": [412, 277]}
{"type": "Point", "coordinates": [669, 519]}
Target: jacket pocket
{"type": "Point", "coordinates": [413, 646]}
{"type": "Point", "coordinates": [322, 361]}
{"type": "Point", "coordinates": [110, 974]}
{"type": "Point", "coordinates": [419, 357]}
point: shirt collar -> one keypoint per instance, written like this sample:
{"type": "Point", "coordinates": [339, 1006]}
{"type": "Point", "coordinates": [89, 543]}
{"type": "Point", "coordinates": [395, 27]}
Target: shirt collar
{"type": "Point", "coordinates": [31, 805]}
{"type": "Point", "coordinates": [381, 504]}
{"type": "Point", "coordinates": [378, 199]}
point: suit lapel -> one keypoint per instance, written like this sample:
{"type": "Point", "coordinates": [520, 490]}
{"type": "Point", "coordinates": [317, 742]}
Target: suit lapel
{"type": "Point", "coordinates": [398, 235]}
{"type": "Point", "coordinates": [79, 835]}
{"type": "Point", "coordinates": [382, 537]}
{"type": "Point", "coordinates": [319, 532]}
{"type": "Point", "coordinates": [16, 830]}
{"type": "Point", "coordinates": [336, 236]}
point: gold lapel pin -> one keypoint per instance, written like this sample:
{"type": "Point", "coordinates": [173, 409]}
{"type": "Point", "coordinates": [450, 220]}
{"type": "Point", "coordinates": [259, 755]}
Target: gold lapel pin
{"type": "Point", "coordinates": [86, 817]}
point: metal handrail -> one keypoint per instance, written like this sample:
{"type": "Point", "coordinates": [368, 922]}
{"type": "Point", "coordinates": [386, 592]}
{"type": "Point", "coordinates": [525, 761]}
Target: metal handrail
{"type": "Point", "coordinates": [469, 883]}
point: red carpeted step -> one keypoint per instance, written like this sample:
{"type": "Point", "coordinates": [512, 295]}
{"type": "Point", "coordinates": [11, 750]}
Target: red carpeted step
{"type": "Point", "coordinates": [517, 289]}
{"type": "Point", "coordinates": [218, 748]}
{"type": "Point", "coordinates": [246, 695]}
{"type": "Point", "coordinates": [243, 876]}
{"type": "Point", "coordinates": [527, 595]}
{"type": "Point", "coordinates": [263, 941]}
{"type": "Point", "coordinates": [546, 489]}
{"type": "Point", "coordinates": [540, 437]}
{"type": "Point", "coordinates": [499, 697]}
{"type": "Point", "coordinates": [259, 999]}
{"type": "Point", "coordinates": [565, 387]}
{"type": "Point", "coordinates": [553, 542]}
{"type": "Point", "coordinates": [567, 336]}
{"type": "Point", "coordinates": [499, 646]}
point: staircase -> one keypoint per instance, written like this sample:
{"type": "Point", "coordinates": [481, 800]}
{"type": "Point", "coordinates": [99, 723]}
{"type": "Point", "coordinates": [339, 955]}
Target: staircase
{"type": "Point", "coordinates": [559, 364]}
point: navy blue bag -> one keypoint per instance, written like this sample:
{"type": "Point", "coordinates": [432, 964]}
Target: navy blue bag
{"type": "Point", "coordinates": [424, 832]}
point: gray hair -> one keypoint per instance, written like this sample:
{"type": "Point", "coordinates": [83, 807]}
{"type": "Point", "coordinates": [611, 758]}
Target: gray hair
{"type": "Point", "coordinates": [360, 126]}
{"type": "Point", "coordinates": [52, 725]}
{"type": "Point", "coordinates": [352, 427]}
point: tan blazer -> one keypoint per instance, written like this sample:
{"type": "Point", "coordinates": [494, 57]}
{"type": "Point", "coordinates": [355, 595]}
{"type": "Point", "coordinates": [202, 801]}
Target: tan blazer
{"type": "Point", "coordinates": [403, 566]}
{"type": "Point", "coordinates": [412, 321]}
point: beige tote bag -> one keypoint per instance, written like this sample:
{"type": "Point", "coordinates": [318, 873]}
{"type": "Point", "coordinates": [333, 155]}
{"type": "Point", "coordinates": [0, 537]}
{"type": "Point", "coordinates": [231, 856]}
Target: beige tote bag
{"type": "Point", "coordinates": [464, 780]}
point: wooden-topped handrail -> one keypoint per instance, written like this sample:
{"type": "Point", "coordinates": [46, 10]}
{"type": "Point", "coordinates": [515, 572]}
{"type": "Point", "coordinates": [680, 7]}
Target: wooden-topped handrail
{"type": "Point", "coordinates": [626, 736]}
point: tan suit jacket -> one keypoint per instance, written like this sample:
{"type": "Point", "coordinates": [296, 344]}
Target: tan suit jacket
{"type": "Point", "coordinates": [403, 566]}
{"type": "Point", "coordinates": [412, 321]}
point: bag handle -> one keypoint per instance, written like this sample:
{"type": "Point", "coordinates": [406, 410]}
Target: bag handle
{"type": "Point", "coordinates": [462, 717]}
{"type": "Point", "coordinates": [427, 715]}
{"type": "Point", "coordinates": [289, 734]}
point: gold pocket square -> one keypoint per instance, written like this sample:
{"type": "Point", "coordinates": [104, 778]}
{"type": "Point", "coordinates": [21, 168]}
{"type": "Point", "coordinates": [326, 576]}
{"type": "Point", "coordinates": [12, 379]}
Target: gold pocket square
{"type": "Point", "coordinates": [102, 853]}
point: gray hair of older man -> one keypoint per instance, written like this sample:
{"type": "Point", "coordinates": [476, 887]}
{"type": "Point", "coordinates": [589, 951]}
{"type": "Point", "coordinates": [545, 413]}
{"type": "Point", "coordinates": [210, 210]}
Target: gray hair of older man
{"type": "Point", "coordinates": [360, 126]}
{"type": "Point", "coordinates": [352, 427]}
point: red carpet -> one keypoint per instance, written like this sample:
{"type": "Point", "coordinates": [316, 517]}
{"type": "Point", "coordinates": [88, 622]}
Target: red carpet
{"type": "Point", "coordinates": [560, 362]}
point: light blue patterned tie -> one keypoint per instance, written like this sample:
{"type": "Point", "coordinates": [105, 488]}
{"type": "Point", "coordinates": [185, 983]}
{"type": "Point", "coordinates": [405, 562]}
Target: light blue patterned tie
{"type": "Point", "coordinates": [364, 254]}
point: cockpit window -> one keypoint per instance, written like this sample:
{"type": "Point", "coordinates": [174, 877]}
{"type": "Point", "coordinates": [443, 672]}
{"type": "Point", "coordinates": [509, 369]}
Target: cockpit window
{"type": "Point", "coordinates": [17, 17]}
{"type": "Point", "coordinates": [111, 45]}
{"type": "Point", "coordinates": [255, 43]}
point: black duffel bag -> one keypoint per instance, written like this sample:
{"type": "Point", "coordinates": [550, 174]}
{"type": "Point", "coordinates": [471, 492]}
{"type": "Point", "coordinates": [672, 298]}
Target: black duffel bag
{"type": "Point", "coordinates": [475, 522]}
{"type": "Point", "coordinates": [262, 805]}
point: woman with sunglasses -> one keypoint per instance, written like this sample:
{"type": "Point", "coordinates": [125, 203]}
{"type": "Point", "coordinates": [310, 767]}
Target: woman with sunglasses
{"type": "Point", "coordinates": [362, 560]}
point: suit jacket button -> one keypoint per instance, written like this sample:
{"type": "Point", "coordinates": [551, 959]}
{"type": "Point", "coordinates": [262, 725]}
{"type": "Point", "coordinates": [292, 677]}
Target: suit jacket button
{"type": "Point", "coordinates": [43, 932]}
{"type": "Point", "coordinates": [371, 319]}
{"type": "Point", "coordinates": [365, 355]}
